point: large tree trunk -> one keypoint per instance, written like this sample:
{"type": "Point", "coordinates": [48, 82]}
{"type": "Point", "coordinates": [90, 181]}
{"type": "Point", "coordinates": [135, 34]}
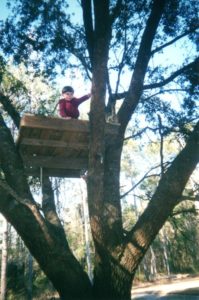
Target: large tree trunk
{"type": "Point", "coordinates": [112, 279]}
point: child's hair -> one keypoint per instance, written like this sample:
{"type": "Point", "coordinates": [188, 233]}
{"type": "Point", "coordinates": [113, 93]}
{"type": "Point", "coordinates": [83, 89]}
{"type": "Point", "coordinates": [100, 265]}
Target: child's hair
{"type": "Point", "coordinates": [67, 89]}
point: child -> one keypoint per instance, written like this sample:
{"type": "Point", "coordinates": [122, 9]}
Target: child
{"type": "Point", "coordinates": [68, 104]}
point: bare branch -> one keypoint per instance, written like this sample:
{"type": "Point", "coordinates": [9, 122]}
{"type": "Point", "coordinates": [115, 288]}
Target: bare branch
{"type": "Point", "coordinates": [173, 76]}
{"type": "Point", "coordinates": [142, 179]}
{"type": "Point", "coordinates": [140, 133]}
{"type": "Point", "coordinates": [173, 40]}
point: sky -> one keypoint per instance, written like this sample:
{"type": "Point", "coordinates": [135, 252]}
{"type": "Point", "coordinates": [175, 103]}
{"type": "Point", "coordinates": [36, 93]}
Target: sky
{"type": "Point", "coordinates": [3, 10]}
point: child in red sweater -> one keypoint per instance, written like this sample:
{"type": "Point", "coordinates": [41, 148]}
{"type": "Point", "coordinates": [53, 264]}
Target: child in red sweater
{"type": "Point", "coordinates": [68, 104]}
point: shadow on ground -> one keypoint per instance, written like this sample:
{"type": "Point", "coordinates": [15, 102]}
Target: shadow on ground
{"type": "Point", "coordinates": [185, 288]}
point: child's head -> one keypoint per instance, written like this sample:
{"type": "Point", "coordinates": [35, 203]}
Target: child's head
{"type": "Point", "coordinates": [67, 92]}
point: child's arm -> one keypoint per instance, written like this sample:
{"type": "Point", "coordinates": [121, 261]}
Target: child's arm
{"type": "Point", "coordinates": [82, 99]}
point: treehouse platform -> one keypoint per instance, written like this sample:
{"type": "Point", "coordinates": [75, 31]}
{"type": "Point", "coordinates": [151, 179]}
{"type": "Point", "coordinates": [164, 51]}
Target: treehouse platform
{"type": "Point", "coordinates": [55, 146]}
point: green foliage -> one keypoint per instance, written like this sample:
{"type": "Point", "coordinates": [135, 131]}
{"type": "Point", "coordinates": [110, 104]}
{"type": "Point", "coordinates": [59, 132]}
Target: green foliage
{"type": "Point", "coordinates": [184, 242]}
{"type": "Point", "coordinates": [43, 28]}
{"type": "Point", "coordinates": [16, 280]}
{"type": "Point", "coordinates": [42, 287]}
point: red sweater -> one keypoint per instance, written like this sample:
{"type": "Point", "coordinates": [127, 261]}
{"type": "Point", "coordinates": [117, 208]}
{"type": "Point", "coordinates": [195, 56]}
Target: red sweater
{"type": "Point", "coordinates": [70, 108]}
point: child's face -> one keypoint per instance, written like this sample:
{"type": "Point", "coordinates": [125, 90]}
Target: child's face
{"type": "Point", "coordinates": [68, 95]}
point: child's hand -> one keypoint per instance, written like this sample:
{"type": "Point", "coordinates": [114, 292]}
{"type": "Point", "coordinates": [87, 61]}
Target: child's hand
{"type": "Point", "coordinates": [89, 95]}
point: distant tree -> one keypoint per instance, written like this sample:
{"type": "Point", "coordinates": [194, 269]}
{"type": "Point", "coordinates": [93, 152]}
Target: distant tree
{"type": "Point", "coordinates": [4, 259]}
{"type": "Point", "coordinates": [116, 39]}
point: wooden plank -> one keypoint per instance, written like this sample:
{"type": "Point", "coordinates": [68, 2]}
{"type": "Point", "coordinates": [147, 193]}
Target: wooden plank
{"type": "Point", "coordinates": [53, 123]}
{"type": "Point", "coordinates": [53, 172]}
{"type": "Point", "coordinates": [55, 162]}
{"type": "Point", "coordinates": [53, 143]}
{"type": "Point", "coordinates": [61, 124]}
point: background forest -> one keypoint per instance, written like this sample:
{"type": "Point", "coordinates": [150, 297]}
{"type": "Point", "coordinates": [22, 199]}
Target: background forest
{"type": "Point", "coordinates": [136, 217]}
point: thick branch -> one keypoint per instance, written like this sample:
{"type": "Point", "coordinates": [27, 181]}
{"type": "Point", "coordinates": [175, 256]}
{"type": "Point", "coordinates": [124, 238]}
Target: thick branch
{"type": "Point", "coordinates": [116, 11]}
{"type": "Point", "coordinates": [192, 210]}
{"type": "Point", "coordinates": [10, 109]}
{"type": "Point", "coordinates": [11, 162]}
{"type": "Point", "coordinates": [144, 54]}
{"type": "Point", "coordinates": [49, 209]}
{"type": "Point", "coordinates": [31, 205]}
{"type": "Point", "coordinates": [165, 198]}
{"type": "Point", "coordinates": [185, 198]}
{"type": "Point", "coordinates": [88, 25]}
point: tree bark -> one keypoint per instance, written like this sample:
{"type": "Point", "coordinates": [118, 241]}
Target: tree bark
{"type": "Point", "coordinates": [112, 279]}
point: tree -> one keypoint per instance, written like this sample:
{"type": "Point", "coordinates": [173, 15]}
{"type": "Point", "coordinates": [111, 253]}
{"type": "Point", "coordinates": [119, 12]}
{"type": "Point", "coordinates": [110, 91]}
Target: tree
{"type": "Point", "coordinates": [139, 31]}
{"type": "Point", "coordinates": [4, 257]}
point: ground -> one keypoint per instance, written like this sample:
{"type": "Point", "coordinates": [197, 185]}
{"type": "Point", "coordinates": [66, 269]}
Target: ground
{"type": "Point", "coordinates": [180, 287]}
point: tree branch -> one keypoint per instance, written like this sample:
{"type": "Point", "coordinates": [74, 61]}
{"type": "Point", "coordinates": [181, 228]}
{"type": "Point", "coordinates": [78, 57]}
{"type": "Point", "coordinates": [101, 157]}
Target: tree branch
{"type": "Point", "coordinates": [48, 202]}
{"type": "Point", "coordinates": [88, 25]}
{"type": "Point", "coordinates": [33, 206]}
{"type": "Point", "coordinates": [173, 40]}
{"type": "Point", "coordinates": [173, 76]}
{"type": "Point", "coordinates": [10, 109]}
{"type": "Point", "coordinates": [140, 133]}
{"type": "Point", "coordinates": [185, 198]}
{"type": "Point", "coordinates": [141, 180]}
{"type": "Point", "coordinates": [192, 210]}
{"type": "Point", "coordinates": [116, 11]}
{"type": "Point", "coordinates": [12, 192]}
{"type": "Point", "coordinates": [136, 87]}
{"type": "Point", "coordinates": [166, 196]}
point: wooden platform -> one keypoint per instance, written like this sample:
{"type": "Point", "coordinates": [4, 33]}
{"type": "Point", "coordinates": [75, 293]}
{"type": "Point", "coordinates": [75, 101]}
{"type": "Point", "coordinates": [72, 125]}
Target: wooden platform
{"type": "Point", "coordinates": [58, 146]}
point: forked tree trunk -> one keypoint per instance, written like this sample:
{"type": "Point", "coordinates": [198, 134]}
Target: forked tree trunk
{"type": "Point", "coordinates": [112, 280]}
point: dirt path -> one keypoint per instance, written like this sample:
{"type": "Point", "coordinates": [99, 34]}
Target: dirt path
{"type": "Point", "coordinates": [178, 288]}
